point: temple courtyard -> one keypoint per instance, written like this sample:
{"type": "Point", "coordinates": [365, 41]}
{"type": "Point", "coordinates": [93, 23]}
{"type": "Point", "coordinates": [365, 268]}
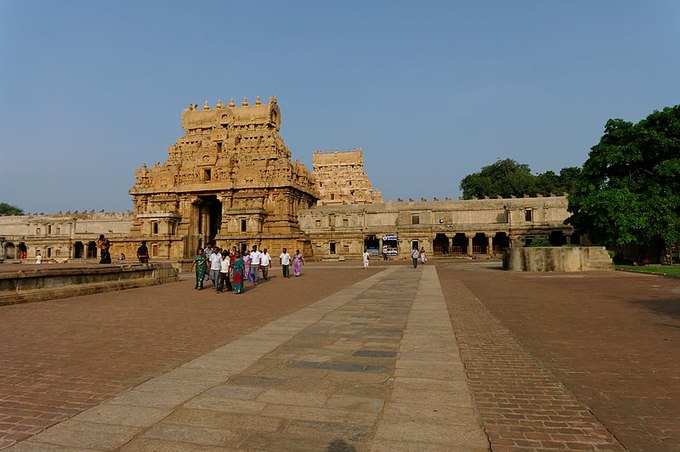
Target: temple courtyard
{"type": "Point", "coordinates": [452, 356]}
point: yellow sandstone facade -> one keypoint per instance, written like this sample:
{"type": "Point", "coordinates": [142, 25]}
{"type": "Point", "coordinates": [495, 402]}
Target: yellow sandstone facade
{"type": "Point", "coordinates": [231, 179]}
{"type": "Point", "coordinates": [341, 178]}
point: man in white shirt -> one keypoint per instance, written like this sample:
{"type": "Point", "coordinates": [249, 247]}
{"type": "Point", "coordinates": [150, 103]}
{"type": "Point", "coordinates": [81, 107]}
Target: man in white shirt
{"type": "Point", "coordinates": [224, 273]}
{"type": "Point", "coordinates": [284, 260]}
{"type": "Point", "coordinates": [415, 255]}
{"type": "Point", "coordinates": [265, 262]}
{"type": "Point", "coordinates": [365, 257]}
{"type": "Point", "coordinates": [255, 259]}
{"type": "Point", "coordinates": [215, 266]}
{"type": "Point", "coordinates": [38, 257]}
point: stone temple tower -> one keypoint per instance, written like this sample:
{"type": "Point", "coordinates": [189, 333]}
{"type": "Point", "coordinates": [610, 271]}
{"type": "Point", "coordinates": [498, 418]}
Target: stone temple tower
{"type": "Point", "coordinates": [228, 179]}
{"type": "Point", "coordinates": [341, 178]}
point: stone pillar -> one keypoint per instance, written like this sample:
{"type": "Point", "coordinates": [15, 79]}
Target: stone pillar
{"type": "Point", "coordinates": [489, 246]}
{"type": "Point", "coordinates": [469, 245]}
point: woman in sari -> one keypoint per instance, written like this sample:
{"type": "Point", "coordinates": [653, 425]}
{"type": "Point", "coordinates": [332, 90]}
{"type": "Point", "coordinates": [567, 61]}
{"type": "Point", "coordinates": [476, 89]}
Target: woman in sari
{"type": "Point", "coordinates": [298, 260]}
{"type": "Point", "coordinates": [201, 264]}
{"type": "Point", "coordinates": [237, 274]}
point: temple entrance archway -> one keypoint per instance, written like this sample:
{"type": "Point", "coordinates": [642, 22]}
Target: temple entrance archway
{"type": "Point", "coordinates": [209, 218]}
{"type": "Point", "coordinates": [440, 245]}
{"type": "Point", "coordinates": [91, 249]}
{"type": "Point", "coordinates": [78, 250]}
{"type": "Point", "coordinates": [459, 244]}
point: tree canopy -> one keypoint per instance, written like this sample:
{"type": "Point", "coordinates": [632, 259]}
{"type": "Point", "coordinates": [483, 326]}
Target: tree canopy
{"type": "Point", "coordinates": [506, 178]}
{"type": "Point", "coordinates": [629, 190]}
{"type": "Point", "coordinates": [8, 209]}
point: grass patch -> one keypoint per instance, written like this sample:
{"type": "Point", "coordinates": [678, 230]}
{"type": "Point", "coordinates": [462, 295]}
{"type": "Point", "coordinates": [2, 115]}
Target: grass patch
{"type": "Point", "coordinates": [672, 271]}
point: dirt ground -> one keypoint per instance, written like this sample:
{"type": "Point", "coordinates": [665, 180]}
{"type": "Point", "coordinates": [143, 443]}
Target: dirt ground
{"type": "Point", "coordinates": [612, 338]}
{"type": "Point", "coordinates": [61, 357]}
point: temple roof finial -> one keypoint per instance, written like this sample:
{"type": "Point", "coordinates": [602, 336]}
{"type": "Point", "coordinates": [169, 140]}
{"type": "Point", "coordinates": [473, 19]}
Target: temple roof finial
{"type": "Point", "coordinates": [232, 103]}
{"type": "Point", "coordinates": [257, 100]}
{"type": "Point", "coordinates": [206, 106]}
{"type": "Point", "coordinates": [244, 102]}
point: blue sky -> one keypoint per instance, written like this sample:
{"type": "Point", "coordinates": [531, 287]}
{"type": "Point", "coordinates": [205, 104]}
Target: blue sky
{"type": "Point", "coordinates": [430, 90]}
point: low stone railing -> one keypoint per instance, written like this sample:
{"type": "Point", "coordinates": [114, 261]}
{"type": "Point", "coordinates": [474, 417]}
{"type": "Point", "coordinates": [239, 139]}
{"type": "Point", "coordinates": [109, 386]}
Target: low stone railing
{"type": "Point", "coordinates": [558, 259]}
{"type": "Point", "coordinates": [21, 283]}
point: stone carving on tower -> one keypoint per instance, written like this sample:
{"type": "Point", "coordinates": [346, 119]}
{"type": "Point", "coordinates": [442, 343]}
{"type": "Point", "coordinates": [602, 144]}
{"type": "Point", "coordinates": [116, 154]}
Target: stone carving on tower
{"type": "Point", "coordinates": [229, 178]}
{"type": "Point", "coordinates": [341, 178]}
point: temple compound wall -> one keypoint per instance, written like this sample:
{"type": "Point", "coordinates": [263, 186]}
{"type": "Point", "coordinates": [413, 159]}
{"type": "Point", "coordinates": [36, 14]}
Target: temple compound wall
{"type": "Point", "coordinates": [461, 227]}
{"type": "Point", "coordinates": [341, 178]}
{"type": "Point", "coordinates": [61, 236]}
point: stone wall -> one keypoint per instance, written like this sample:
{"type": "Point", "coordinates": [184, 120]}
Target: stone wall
{"type": "Point", "coordinates": [26, 283]}
{"type": "Point", "coordinates": [558, 259]}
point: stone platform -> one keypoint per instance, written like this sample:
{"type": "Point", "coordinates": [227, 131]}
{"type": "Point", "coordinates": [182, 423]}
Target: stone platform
{"type": "Point", "coordinates": [22, 283]}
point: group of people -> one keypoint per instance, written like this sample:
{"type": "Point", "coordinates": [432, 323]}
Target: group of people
{"type": "Point", "coordinates": [416, 256]}
{"type": "Point", "coordinates": [230, 269]}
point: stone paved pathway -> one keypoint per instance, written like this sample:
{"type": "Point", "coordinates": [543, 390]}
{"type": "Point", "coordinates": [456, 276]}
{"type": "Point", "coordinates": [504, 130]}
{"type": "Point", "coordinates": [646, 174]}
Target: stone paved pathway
{"type": "Point", "coordinates": [373, 367]}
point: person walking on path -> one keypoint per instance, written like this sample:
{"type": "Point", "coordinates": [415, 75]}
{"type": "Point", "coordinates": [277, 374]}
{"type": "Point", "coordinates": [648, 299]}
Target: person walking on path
{"type": "Point", "coordinates": [255, 258]}
{"type": "Point", "coordinates": [415, 256]}
{"type": "Point", "coordinates": [104, 245]}
{"type": "Point", "coordinates": [423, 257]}
{"type": "Point", "coordinates": [224, 273]}
{"type": "Point", "coordinates": [237, 274]}
{"type": "Point", "coordinates": [365, 258]}
{"type": "Point", "coordinates": [298, 260]}
{"type": "Point", "coordinates": [201, 264]}
{"type": "Point", "coordinates": [38, 258]}
{"type": "Point", "coordinates": [284, 260]}
{"type": "Point", "coordinates": [265, 263]}
{"type": "Point", "coordinates": [143, 253]}
{"type": "Point", "coordinates": [215, 266]}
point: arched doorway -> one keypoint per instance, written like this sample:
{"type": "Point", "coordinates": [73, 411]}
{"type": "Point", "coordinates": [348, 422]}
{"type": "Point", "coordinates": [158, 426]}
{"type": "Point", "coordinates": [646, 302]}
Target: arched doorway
{"type": "Point", "coordinates": [91, 250]}
{"type": "Point", "coordinates": [501, 242]}
{"type": "Point", "coordinates": [10, 251]}
{"type": "Point", "coordinates": [440, 245]}
{"type": "Point", "coordinates": [557, 238]}
{"type": "Point", "coordinates": [479, 243]}
{"type": "Point", "coordinates": [459, 244]}
{"type": "Point", "coordinates": [209, 209]}
{"type": "Point", "coordinates": [78, 250]}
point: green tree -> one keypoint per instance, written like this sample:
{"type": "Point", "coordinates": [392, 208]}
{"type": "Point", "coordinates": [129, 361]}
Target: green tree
{"type": "Point", "coordinates": [629, 190]}
{"type": "Point", "coordinates": [503, 178]}
{"type": "Point", "coordinates": [7, 209]}
{"type": "Point", "coordinates": [507, 178]}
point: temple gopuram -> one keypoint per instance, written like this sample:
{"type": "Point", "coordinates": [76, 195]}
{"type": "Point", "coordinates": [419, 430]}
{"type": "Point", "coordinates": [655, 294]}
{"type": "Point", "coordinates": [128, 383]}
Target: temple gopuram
{"type": "Point", "coordinates": [229, 179]}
